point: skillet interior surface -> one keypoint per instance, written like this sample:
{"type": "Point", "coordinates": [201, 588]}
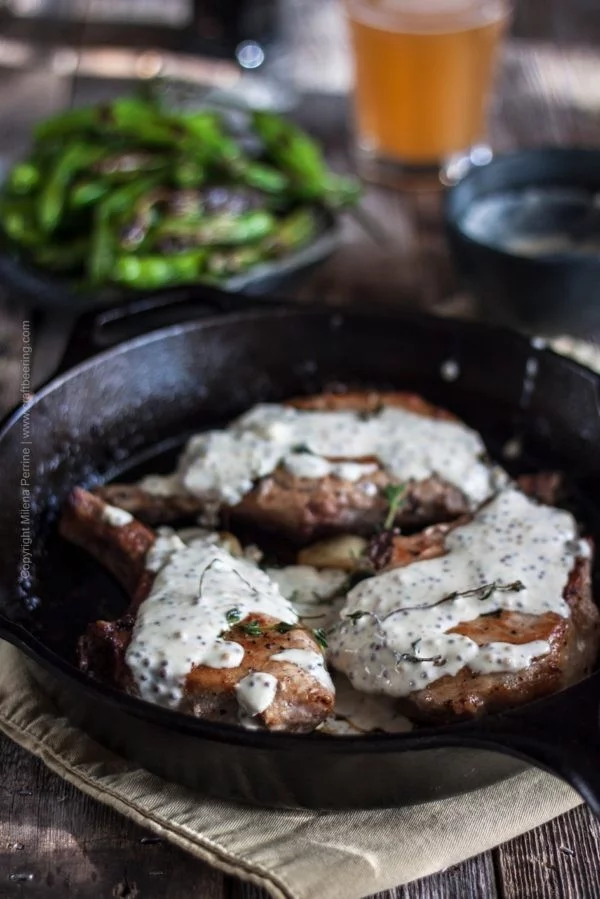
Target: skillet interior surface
{"type": "Point", "coordinates": [128, 409]}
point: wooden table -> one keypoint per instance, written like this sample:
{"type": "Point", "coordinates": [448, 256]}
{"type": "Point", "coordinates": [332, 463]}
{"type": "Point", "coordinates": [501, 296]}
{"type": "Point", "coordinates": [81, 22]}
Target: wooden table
{"type": "Point", "coordinates": [55, 842]}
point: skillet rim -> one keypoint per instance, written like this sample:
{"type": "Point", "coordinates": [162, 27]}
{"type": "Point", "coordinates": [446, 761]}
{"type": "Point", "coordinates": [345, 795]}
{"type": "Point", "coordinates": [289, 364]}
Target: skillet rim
{"type": "Point", "coordinates": [429, 737]}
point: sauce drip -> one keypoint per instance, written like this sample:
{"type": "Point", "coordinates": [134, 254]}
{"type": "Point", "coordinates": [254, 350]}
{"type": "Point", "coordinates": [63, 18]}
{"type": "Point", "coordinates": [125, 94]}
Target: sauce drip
{"type": "Point", "coordinates": [255, 693]}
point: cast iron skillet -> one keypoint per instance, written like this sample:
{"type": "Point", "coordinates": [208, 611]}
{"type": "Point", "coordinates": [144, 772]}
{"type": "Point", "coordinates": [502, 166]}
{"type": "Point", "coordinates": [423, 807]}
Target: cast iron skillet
{"type": "Point", "coordinates": [101, 416]}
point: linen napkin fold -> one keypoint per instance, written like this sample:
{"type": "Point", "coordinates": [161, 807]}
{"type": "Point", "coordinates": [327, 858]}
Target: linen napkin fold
{"type": "Point", "coordinates": [292, 854]}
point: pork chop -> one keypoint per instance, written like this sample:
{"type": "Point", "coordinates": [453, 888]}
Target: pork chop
{"type": "Point", "coordinates": [305, 508]}
{"type": "Point", "coordinates": [571, 640]}
{"type": "Point", "coordinates": [303, 695]}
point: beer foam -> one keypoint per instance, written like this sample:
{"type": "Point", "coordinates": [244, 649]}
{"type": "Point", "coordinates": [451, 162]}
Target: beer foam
{"type": "Point", "coordinates": [427, 15]}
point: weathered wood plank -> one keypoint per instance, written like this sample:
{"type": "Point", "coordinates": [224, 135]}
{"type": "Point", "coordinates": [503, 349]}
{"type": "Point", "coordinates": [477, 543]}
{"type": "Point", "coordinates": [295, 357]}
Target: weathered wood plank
{"type": "Point", "coordinates": [554, 861]}
{"type": "Point", "coordinates": [56, 842]}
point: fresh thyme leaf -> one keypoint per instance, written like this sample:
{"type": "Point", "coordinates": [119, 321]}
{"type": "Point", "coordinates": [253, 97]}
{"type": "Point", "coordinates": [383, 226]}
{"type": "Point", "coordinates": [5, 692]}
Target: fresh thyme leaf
{"type": "Point", "coordinates": [320, 637]}
{"type": "Point", "coordinates": [368, 414]}
{"type": "Point", "coordinates": [301, 448]}
{"type": "Point", "coordinates": [283, 627]}
{"type": "Point", "coordinates": [233, 616]}
{"type": "Point", "coordinates": [252, 628]}
{"type": "Point", "coordinates": [394, 494]}
{"type": "Point", "coordinates": [414, 644]}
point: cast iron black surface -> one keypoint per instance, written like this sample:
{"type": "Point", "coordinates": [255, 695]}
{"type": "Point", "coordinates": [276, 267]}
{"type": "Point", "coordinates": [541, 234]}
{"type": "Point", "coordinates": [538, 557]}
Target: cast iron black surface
{"type": "Point", "coordinates": [100, 418]}
{"type": "Point", "coordinates": [553, 294]}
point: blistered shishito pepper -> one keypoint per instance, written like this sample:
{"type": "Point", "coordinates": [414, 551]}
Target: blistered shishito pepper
{"type": "Point", "coordinates": [294, 231]}
{"type": "Point", "coordinates": [116, 166]}
{"type": "Point", "coordinates": [108, 220]}
{"type": "Point", "coordinates": [225, 263]}
{"type": "Point", "coordinates": [87, 192]}
{"type": "Point", "coordinates": [188, 173]}
{"type": "Point", "coordinates": [53, 197]}
{"type": "Point", "coordinates": [131, 118]}
{"type": "Point", "coordinates": [154, 272]}
{"type": "Point", "coordinates": [301, 158]}
{"type": "Point", "coordinates": [294, 152]}
{"type": "Point", "coordinates": [265, 178]}
{"type": "Point", "coordinates": [19, 221]}
{"type": "Point", "coordinates": [81, 121]}
{"type": "Point", "coordinates": [223, 229]}
{"type": "Point", "coordinates": [24, 178]}
{"type": "Point", "coordinates": [125, 181]}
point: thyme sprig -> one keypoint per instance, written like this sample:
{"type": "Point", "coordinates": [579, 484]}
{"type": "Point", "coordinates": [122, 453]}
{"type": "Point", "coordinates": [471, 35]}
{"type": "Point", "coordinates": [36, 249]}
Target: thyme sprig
{"type": "Point", "coordinates": [395, 495]}
{"type": "Point", "coordinates": [252, 589]}
{"type": "Point", "coordinates": [254, 628]}
{"type": "Point", "coordinates": [320, 637]}
{"type": "Point", "coordinates": [413, 657]}
{"type": "Point", "coordinates": [486, 590]}
{"type": "Point", "coordinates": [483, 592]}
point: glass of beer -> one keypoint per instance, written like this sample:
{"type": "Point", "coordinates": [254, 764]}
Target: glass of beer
{"type": "Point", "coordinates": [423, 72]}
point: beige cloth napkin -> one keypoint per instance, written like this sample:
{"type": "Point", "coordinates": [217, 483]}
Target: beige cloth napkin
{"type": "Point", "coordinates": [292, 854]}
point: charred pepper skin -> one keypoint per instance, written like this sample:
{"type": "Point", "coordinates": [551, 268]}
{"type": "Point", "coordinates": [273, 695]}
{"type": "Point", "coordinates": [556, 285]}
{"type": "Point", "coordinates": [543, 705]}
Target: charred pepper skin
{"type": "Point", "coordinates": [132, 194]}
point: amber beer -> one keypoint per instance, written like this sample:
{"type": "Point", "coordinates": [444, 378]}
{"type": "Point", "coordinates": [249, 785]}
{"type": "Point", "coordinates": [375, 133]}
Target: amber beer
{"type": "Point", "coordinates": [423, 74]}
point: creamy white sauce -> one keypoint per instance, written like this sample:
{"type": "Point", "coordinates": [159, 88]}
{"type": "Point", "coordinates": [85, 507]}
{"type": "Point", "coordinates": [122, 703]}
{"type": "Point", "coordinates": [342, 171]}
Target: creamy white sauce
{"type": "Point", "coordinates": [116, 517]}
{"type": "Point", "coordinates": [315, 593]}
{"type": "Point", "coordinates": [497, 657]}
{"type": "Point", "coordinates": [307, 465]}
{"type": "Point", "coordinates": [167, 542]}
{"type": "Point", "coordinates": [303, 584]}
{"type": "Point", "coordinates": [178, 626]}
{"type": "Point", "coordinates": [255, 693]}
{"type": "Point", "coordinates": [408, 618]}
{"type": "Point", "coordinates": [312, 662]}
{"type": "Point", "coordinates": [222, 466]}
{"type": "Point", "coordinates": [161, 485]}
{"type": "Point", "coordinates": [359, 713]}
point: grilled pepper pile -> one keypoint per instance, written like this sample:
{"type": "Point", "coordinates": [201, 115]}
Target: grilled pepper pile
{"type": "Point", "coordinates": [127, 193]}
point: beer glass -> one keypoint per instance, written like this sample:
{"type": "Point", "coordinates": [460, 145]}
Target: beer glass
{"type": "Point", "coordinates": [423, 72]}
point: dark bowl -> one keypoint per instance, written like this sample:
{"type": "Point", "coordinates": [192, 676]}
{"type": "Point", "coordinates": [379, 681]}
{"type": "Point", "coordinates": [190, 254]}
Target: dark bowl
{"type": "Point", "coordinates": [41, 288]}
{"type": "Point", "coordinates": [532, 195]}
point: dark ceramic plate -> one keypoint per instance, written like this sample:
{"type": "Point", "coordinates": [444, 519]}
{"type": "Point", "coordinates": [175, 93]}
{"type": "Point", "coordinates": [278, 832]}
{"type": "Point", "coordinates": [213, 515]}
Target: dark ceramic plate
{"type": "Point", "coordinates": [42, 288]}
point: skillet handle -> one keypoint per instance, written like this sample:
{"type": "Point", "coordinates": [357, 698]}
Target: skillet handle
{"type": "Point", "coordinates": [99, 330]}
{"type": "Point", "coordinates": [560, 734]}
